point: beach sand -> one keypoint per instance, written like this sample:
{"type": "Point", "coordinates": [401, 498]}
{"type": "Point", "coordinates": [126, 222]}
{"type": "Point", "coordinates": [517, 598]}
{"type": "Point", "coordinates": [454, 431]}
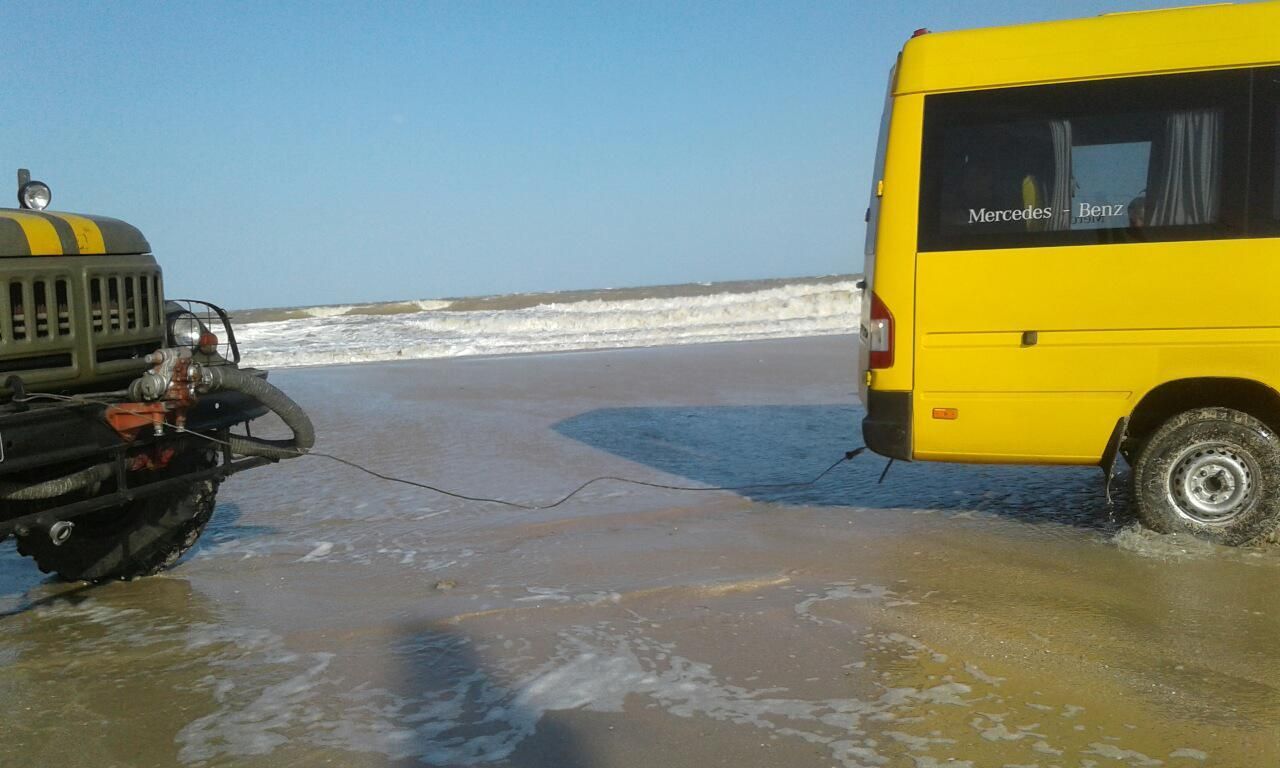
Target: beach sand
{"type": "Point", "coordinates": [983, 616]}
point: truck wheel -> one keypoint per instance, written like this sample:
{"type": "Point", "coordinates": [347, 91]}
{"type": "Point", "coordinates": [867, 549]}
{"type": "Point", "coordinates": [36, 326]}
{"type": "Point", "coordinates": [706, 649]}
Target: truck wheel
{"type": "Point", "coordinates": [1210, 472]}
{"type": "Point", "coordinates": [140, 538]}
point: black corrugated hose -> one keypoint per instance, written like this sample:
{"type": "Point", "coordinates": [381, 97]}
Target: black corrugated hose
{"type": "Point", "coordinates": [304, 434]}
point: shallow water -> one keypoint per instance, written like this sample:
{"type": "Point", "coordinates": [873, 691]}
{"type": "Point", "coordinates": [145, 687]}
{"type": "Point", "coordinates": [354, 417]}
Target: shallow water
{"type": "Point", "coordinates": [951, 616]}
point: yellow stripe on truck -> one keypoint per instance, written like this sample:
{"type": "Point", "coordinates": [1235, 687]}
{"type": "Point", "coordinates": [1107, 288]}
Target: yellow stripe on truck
{"type": "Point", "coordinates": [42, 238]}
{"type": "Point", "coordinates": [88, 234]}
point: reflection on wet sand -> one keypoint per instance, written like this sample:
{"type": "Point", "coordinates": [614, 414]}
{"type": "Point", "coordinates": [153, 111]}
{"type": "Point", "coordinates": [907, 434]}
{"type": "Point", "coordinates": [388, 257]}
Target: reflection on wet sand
{"type": "Point", "coordinates": [952, 616]}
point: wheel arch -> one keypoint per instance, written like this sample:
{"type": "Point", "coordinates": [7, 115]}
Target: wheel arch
{"type": "Point", "coordinates": [1173, 397]}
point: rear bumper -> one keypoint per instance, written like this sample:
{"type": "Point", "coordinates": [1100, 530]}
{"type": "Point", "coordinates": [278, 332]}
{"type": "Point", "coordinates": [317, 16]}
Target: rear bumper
{"type": "Point", "coordinates": [886, 429]}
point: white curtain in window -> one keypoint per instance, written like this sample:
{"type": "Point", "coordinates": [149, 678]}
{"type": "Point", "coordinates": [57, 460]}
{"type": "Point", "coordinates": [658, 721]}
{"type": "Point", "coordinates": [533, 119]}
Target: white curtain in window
{"type": "Point", "coordinates": [1185, 187]}
{"type": "Point", "coordinates": [1060, 195]}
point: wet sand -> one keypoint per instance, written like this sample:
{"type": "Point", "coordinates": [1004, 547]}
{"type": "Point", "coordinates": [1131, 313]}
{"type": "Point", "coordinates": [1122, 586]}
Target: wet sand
{"type": "Point", "coordinates": [982, 616]}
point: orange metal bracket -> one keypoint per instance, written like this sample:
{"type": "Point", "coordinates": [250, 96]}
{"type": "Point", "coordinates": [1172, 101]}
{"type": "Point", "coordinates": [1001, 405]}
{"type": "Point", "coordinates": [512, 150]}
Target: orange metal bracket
{"type": "Point", "coordinates": [127, 419]}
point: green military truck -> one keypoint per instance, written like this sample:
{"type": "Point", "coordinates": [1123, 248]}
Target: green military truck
{"type": "Point", "coordinates": [117, 406]}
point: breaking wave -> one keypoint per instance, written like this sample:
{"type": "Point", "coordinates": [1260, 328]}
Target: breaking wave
{"type": "Point", "coordinates": [425, 329]}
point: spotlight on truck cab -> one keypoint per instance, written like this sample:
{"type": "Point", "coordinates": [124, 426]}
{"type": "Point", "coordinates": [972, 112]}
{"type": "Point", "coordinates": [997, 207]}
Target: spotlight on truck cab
{"type": "Point", "coordinates": [32, 195]}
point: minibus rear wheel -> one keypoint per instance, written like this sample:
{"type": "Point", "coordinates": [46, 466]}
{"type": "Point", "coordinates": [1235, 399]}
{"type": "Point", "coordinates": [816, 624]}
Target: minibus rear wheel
{"type": "Point", "coordinates": [1210, 472]}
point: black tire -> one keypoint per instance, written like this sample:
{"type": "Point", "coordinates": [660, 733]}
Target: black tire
{"type": "Point", "coordinates": [1210, 472]}
{"type": "Point", "coordinates": [140, 538]}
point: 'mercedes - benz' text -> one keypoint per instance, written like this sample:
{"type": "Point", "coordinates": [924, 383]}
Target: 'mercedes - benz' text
{"type": "Point", "coordinates": [1084, 212]}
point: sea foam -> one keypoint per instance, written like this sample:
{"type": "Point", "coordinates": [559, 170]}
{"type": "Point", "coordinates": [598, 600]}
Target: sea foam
{"type": "Point", "coordinates": [338, 335]}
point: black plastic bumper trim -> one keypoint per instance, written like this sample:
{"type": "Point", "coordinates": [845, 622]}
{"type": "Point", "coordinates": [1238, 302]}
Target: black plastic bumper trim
{"type": "Point", "coordinates": [886, 429]}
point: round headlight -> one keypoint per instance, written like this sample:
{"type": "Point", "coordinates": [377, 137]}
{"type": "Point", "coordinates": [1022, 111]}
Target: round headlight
{"type": "Point", "coordinates": [34, 195]}
{"type": "Point", "coordinates": [185, 330]}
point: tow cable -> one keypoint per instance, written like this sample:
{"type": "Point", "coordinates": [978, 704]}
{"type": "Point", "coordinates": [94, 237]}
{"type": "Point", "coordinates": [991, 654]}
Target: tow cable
{"type": "Point", "coordinates": [848, 456]}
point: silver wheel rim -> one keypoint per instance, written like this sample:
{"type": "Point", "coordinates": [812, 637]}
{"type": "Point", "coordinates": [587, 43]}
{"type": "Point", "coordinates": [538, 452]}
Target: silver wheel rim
{"type": "Point", "coordinates": [1212, 483]}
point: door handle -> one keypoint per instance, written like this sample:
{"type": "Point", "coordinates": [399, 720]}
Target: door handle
{"type": "Point", "coordinates": [1030, 338]}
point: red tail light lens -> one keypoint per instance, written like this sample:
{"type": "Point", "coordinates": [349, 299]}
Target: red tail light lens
{"type": "Point", "coordinates": [880, 341]}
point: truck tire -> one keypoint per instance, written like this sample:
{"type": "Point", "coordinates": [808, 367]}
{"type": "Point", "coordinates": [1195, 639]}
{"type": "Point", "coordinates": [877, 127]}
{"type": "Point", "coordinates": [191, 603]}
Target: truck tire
{"type": "Point", "coordinates": [1210, 472]}
{"type": "Point", "coordinates": [137, 539]}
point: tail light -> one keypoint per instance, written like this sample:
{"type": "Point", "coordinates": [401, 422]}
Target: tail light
{"type": "Point", "coordinates": [880, 341]}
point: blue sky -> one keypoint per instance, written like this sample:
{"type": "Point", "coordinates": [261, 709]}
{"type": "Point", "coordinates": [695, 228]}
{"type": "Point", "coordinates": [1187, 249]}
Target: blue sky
{"type": "Point", "coordinates": [305, 153]}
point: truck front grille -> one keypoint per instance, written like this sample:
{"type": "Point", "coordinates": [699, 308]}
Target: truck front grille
{"type": "Point", "coordinates": [78, 321]}
{"type": "Point", "coordinates": [119, 304]}
{"type": "Point", "coordinates": [38, 309]}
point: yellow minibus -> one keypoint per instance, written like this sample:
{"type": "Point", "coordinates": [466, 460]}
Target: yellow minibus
{"type": "Point", "coordinates": [1073, 253]}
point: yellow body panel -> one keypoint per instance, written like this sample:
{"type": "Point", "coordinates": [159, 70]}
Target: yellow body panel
{"type": "Point", "coordinates": [899, 211]}
{"type": "Point", "coordinates": [1151, 42]}
{"type": "Point", "coordinates": [1112, 321]}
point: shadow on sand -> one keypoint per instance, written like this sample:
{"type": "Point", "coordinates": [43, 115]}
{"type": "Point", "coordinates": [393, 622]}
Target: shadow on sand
{"type": "Point", "coordinates": [464, 712]}
{"type": "Point", "coordinates": [737, 445]}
